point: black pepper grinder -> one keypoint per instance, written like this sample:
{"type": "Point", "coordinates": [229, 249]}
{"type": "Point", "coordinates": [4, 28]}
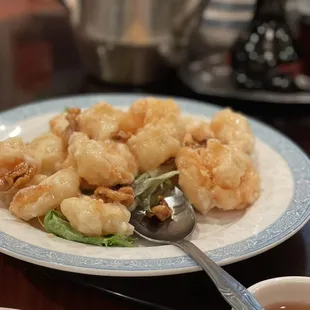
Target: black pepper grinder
{"type": "Point", "coordinates": [264, 56]}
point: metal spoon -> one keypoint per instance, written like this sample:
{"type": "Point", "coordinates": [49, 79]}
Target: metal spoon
{"type": "Point", "coordinates": [173, 232]}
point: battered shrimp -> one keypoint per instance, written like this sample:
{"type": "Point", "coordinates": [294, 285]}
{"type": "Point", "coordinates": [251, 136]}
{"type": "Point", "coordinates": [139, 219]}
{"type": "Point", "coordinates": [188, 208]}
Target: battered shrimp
{"type": "Point", "coordinates": [7, 196]}
{"type": "Point", "coordinates": [233, 129]}
{"type": "Point", "coordinates": [105, 163]}
{"type": "Point", "coordinates": [197, 131]}
{"type": "Point", "coordinates": [93, 217]}
{"type": "Point", "coordinates": [100, 121]}
{"type": "Point", "coordinates": [50, 150]}
{"type": "Point", "coordinates": [69, 162]}
{"type": "Point", "coordinates": [217, 176]}
{"type": "Point", "coordinates": [63, 125]}
{"type": "Point", "coordinates": [145, 111]}
{"type": "Point", "coordinates": [158, 142]}
{"type": "Point", "coordinates": [37, 200]}
{"type": "Point", "coordinates": [58, 124]}
{"type": "Point", "coordinates": [18, 164]}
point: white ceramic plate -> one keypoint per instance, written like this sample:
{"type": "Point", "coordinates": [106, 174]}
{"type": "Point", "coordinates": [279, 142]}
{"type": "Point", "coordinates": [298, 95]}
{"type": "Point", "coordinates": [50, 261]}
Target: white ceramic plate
{"type": "Point", "coordinates": [282, 209]}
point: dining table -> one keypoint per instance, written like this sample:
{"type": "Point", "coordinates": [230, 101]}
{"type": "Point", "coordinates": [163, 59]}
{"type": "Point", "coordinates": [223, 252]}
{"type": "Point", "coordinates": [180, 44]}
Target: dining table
{"type": "Point", "coordinates": [39, 60]}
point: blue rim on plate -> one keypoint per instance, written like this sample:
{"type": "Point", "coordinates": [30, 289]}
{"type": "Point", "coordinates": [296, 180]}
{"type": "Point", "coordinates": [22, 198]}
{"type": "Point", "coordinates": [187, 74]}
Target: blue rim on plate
{"type": "Point", "coordinates": [292, 219]}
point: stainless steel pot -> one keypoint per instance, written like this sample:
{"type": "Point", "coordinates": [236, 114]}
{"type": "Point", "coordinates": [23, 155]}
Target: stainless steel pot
{"type": "Point", "coordinates": [133, 41]}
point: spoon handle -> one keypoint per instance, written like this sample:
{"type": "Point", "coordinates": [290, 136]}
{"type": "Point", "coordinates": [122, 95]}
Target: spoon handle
{"type": "Point", "coordinates": [233, 292]}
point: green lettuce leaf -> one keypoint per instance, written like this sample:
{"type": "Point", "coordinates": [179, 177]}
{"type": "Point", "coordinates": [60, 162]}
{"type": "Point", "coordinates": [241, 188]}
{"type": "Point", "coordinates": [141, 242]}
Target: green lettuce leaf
{"type": "Point", "coordinates": [148, 187]}
{"type": "Point", "coordinates": [55, 223]}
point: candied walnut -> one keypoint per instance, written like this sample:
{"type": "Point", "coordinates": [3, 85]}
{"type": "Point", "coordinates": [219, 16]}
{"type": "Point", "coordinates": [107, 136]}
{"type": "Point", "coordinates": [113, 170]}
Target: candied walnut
{"type": "Point", "coordinates": [17, 163]}
{"type": "Point", "coordinates": [162, 211]}
{"type": "Point", "coordinates": [73, 125]}
{"type": "Point", "coordinates": [124, 195]}
{"type": "Point", "coordinates": [71, 117]}
{"type": "Point", "coordinates": [16, 178]}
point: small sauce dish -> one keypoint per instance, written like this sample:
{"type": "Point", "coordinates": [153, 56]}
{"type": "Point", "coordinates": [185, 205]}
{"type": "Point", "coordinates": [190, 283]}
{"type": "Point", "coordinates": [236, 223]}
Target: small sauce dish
{"type": "Point", "coordinates": [285, 293]}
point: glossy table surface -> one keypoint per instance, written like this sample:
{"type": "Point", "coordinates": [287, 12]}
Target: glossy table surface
{"type": "Point", "coordinates": [38, 60]}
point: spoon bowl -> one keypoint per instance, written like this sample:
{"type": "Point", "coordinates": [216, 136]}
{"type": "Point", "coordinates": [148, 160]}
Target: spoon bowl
{"type": "Point", "coordinates": [181, 224]}
{"type": "Point", "coordinates": [174, 231]}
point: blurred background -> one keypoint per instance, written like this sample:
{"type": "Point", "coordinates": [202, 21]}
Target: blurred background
{"type": "Point", "coordinates": [235, 49]}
